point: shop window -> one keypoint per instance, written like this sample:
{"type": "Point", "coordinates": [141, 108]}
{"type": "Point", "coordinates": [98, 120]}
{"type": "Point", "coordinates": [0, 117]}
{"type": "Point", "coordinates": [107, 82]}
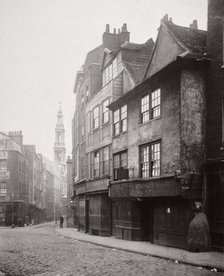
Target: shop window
{"type": "Point", "coordinates": [150, 160]}
{"type": "Point", "coordinates": [120, 162]}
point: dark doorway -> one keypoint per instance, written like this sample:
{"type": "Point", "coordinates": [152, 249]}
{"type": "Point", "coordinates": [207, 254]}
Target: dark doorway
{"type": "Point", "coordinates": [147, 219]}
{"type": "Point", "coordinates": [215, 202]}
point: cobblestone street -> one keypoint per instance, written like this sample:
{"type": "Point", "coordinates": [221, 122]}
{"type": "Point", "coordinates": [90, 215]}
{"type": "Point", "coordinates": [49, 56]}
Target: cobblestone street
{"type": "Point", "coordinates": [40, 251]}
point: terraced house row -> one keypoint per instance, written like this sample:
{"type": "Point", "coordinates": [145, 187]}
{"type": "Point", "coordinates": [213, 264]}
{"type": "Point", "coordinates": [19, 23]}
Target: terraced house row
{"type": "Point", "coordinates": [148, 133]}
{"type": "Point", "coordinates": [33, 189]}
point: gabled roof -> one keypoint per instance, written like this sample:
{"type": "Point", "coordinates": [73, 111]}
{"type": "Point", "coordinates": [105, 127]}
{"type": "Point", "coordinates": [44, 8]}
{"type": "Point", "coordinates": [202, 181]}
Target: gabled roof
{"type": "Point", "coordinates": [187, 43]}
{"type": "Point", "coordinates": [6, 143]}
{"type": "Point", "coordinates": [135, 58]}
{"type": "Point", "coordinates": [194, 40]}
{"type": "Point", "coordinates": [94, 56]}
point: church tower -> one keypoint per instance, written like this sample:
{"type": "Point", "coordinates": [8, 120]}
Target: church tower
{"type": "Point", "coordinates": [59, 145]}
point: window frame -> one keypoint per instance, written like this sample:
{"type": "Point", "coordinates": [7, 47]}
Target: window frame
{"type": "Point", "coordinates": [97, 118]}
{"type": "Point", "coordinates": [153, 149]}
{"type": "Point", "coordinates": [119, 161]}
{"type": "Point", "coordinates": [96, 163]}
{"type": "Point", "coordinates": [106, 162]}
{"type": "Point", "coordinates": [105, 112]}
{"type": "Point", "coordinates": [3, 189]}
{"type": "Point", "coordinates": [153, 106]}
{"type": "Point", "coordinates": [121, 123]}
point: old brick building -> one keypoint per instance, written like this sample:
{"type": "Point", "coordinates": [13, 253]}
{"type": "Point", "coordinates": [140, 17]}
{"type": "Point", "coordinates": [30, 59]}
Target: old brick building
{"type": "Point", "coordinates": [140, 167]}
{"type": "Point", "coordinates": [214, 164]}
{"type": "Point", "coordinates": [14, 180]}
{"type": "Point", "coordinates": [109, 71]}
{"type": "Point", "coordinates": [164, 141]}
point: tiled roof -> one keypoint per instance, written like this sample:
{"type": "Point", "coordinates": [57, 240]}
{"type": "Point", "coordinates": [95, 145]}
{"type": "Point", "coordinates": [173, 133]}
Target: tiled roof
{"type": "Point", "coordinates": [135, 58]}
{"type": "Point", "coordinates": [7, 143]}
{"type": "Point", "coordinates": [194, 40]}
{"type": "Point", "coordinates": [94, 56]}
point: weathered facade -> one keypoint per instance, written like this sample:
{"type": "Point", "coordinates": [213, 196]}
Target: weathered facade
{"type": "Point", "coordinates": [139, 168]}
{"type": "Point", "coordinates": [106, 76]}
{"type": "Point", "coordinates": [21, 198]}
{"type": "Point", "coordinates": [214, 169]}
{"type": "Point", "coordinates": [164, 143]}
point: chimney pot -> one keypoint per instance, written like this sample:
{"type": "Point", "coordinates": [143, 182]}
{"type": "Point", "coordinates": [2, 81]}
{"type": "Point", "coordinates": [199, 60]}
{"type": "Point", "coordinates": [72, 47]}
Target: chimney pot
{"type": "Point", "coordinates": [115, 31]}
{"type": "Point", "coordinates": [194, 25]}
{"type": "Point", "coordinates": [125, 27]}
{"type": "Point", "coordinates": [119, 31]}
{"type": "Point", "coordinates": [165, 18]}
{"type": "Point", "coordinates": [107, 28]}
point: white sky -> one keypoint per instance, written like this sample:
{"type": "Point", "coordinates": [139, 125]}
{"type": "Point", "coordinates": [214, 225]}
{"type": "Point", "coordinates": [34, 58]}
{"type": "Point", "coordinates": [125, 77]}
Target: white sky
{"type": "Point", "coordinates": [44, 42]}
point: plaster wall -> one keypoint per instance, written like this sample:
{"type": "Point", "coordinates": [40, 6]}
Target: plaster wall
{"type": "Point", "coordinates": [166, 129]}
{"type": "Point", "coordinates": [166, 52]}
{"type": "Point", "coordinates": [192, 120]}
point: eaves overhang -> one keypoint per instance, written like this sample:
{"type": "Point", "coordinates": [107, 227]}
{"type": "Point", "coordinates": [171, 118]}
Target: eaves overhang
{"type": "Point", "coordinates": [175, 66]}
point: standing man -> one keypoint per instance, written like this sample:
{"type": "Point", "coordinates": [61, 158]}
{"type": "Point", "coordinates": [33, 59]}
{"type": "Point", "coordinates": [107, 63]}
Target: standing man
{"type": "Point", "coordinates": [61, 221]}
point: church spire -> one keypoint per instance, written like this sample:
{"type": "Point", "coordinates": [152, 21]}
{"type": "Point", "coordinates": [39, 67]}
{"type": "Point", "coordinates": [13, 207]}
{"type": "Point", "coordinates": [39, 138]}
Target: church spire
{"type": "Point", "coordinates": [59, 145]}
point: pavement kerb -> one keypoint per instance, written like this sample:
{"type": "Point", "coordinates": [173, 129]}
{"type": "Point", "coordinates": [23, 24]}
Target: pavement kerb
{"type": "Point", "coordinates": [208, 260]}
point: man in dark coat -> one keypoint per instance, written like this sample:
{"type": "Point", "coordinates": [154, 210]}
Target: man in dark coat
{"type": "Point", "coordinates": [61, 221]}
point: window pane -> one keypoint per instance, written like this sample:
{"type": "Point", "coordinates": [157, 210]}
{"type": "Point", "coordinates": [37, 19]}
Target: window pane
{"type": "Point", "coordinates": [116, 116]}
{"type": "Point", "coordinates": [124, 160]}
{"type": "Point", "coordinates": [106, 154]}
{"type": "Point", "coordinates": [117, 122]}
{"type": "Point", "coordinates": [155, 159]}
{"type": "Point", "coordinates": [116, 161]}
{"type": "Point", "coordinates": [96, 117]}
{"type": "Point", "coordinates": [156, 99]}
{"type": "Point", "coordinates": [145, 108]}
{"type": "Point", "coordinates": [96, 164]}
{"type": "Point", "coordinates": [124, 118]}
{"type": "Point", "coordinates": [124, 112]}
{"type": "Point", "coordinates": [105, 111]}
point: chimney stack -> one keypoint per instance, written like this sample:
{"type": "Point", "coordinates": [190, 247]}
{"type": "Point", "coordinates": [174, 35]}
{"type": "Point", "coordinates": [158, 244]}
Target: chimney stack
{"type": "Point", "coordinates": [114, 40]}
{"type": "Point", "coordinates": [107, 28]}
{"type": "Point", "coordinates": [194, 25]}
{"type": "Point", "coordinates": [165, 19]}
{"type": "Point", "coordinates": [124, 27]}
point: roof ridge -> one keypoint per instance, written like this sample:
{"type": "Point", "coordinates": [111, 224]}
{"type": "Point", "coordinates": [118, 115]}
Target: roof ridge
{"type": "Point", "coordinates": [184, 27]}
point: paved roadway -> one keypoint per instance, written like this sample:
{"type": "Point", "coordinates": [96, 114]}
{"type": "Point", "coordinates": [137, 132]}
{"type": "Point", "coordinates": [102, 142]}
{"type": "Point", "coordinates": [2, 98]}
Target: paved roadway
{"type": "Point", "coordinates": [40, 251]}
